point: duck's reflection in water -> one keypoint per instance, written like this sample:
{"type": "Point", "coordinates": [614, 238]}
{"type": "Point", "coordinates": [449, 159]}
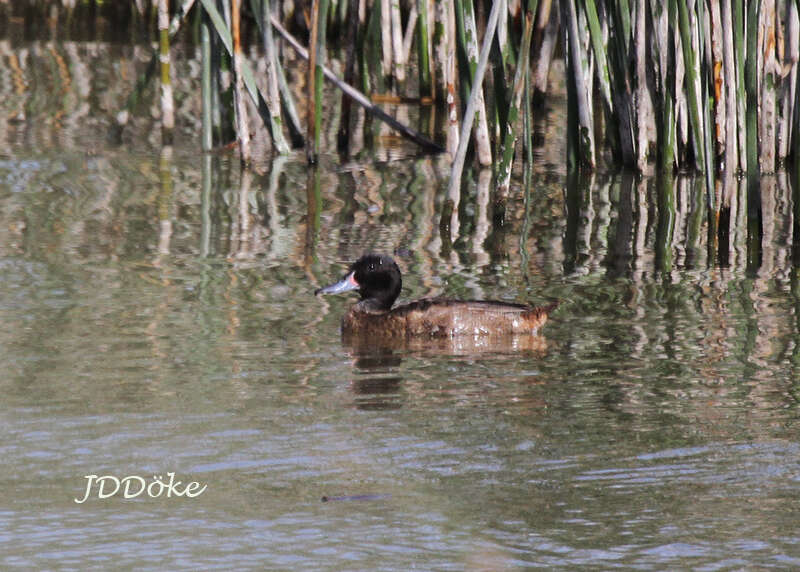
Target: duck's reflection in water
{"type": "Point", "coordinates": [378, 380]}
{"type": "Point", "coordinates": [376, 384]}
{"type": "Point", "coordinates": [381, 349]}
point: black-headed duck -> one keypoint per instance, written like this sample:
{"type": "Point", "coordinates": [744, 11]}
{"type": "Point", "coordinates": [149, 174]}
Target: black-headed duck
{"type": "Point", "coordinates": [377, 279]}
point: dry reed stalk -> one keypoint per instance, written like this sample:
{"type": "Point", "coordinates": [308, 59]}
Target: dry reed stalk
{"type": "Point", "coordinates": [167, 102]}
{"type": "Point", "coordinates": [545, 37]}
{"type": "Point", "coordinates": [645, 121]}
{"type": "Point", "coordinates": [408, 35]}
{"type": "Point", "coordinates": [242, 124]}
{"type": "Point", "coordinates": [398, 53]}
{"type": "Point", "coordinates": [718, 75]}
{"type": "Point", "coordinates": [791, 51]}
{"type": "Point", "coordinates": [386, 37]}
{"type": "Point", "coordinates": [483, 147]}
{"type": "Point", "coordinates": [741, 95]}
{"type": "Point", "coordinates": [768, 79]}
{"type": "Point", "coordinates": [731, 152]}
{"type": "Point", "coordinates": [311, 106]}
{"type": "Point", "coordinates": [450, 81]}
{"type": "Point", "coordinates": [440, 46]}
{"type": "Point", "coordinates": [359, 97]}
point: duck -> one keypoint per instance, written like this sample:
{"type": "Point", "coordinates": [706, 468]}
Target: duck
{"type": "Point", "coordinates": [378, 281]}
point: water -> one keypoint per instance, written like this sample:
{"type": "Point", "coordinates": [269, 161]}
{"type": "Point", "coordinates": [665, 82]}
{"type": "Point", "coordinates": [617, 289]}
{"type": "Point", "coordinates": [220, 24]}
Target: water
{"type": "Point", "coordinates": [158, 316]}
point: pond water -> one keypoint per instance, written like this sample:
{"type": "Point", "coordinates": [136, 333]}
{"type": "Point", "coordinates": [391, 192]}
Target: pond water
{"type": "Point", "coordinates": [158, 317]}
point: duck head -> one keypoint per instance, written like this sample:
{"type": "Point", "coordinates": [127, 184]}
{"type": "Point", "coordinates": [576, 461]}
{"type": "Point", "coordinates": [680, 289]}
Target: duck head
{"type": "Point", "coordinates": [376, 277]}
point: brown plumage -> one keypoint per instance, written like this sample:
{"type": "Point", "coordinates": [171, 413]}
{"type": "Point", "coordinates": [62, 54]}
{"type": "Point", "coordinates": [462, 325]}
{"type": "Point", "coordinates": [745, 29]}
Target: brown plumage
{"type": "Point", "coordinates": [377, 279]}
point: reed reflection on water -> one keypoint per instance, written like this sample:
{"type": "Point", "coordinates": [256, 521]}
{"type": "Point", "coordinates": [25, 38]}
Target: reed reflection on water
{"type": "Point", "coordinates": [642, 251]}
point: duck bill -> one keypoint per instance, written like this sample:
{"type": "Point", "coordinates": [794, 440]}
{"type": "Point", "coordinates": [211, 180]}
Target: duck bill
{"type": "Point", "coordinates": [346, 284]}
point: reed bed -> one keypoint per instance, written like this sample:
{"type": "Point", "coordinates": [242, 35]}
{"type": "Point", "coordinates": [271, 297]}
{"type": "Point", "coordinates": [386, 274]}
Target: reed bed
{"type": "Point", "coordinates": [702, 85]}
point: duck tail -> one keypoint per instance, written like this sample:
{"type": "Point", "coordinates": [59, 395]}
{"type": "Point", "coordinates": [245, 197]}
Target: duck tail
{"type": "Point", "coordinates": [537, 315]}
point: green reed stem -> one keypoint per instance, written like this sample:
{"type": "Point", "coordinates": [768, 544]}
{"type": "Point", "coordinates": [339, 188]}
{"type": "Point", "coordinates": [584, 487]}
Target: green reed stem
{"type": "Point", "coordinates": [509, 141]}
{"type": "Point", "coordinates": [424, 50]}
{"type": "Point", "coordinates": [622, 139]}
{"type": "Point", "coordinates": [318, 76]}
{"type": "Point", "coordinates": [371, 50]}
{"type": "Point", "coordinates": [580, 141]}
{"type": "Point", "coordinates": [472, 104]}
{"type": "Point", "coordinates": [461, 42]}
{"type": "Point", "coordinates": [668, 146]}
{"type": "Point", "coordinates": [218, 60]}
{"type": "Point", "coordinates": [205, 83]}
{"type": "Point", "coordinates": [693, 85]}
{"type": "Point", "coordinates": [751, 88]}
{"type": "Point", "coordinates": [599, 48]}
{"type": "Point", "coordinates": [224, 35]}
{"type": "Point", "coordinates": [343, 136]}
{"type": "Point", "coordinates": [273, 92]}
{"type": "Point", "coordinates": [500, 100]}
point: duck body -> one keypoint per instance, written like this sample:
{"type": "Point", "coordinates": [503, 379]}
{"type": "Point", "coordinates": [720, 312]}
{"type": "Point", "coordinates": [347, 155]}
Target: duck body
{"type": "Point", "coordinates": [378, 281]}
{"type": "Point", "coordinates": [442, 318]}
